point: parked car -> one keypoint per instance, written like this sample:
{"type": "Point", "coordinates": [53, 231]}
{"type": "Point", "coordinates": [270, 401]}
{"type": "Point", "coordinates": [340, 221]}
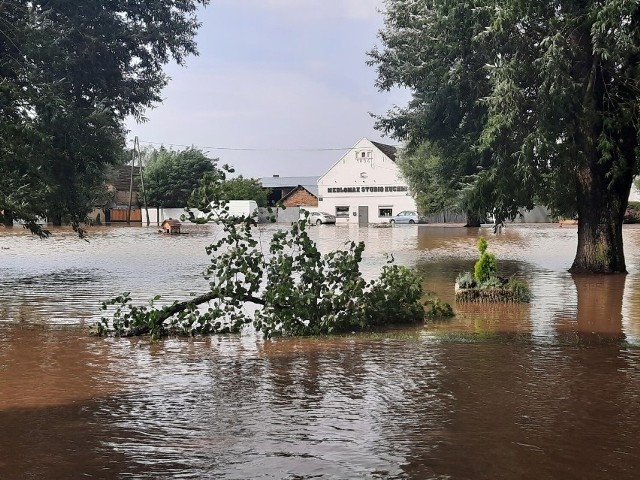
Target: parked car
{"type": "Point", "coordinates": [318, 218]}
{"type": "Point", "coordinates": [408, 216]}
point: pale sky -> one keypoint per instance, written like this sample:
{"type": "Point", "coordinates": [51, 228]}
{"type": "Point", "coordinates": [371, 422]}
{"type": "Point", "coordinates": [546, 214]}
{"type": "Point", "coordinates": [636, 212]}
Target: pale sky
{"type": "Point", "coordinates": [275, 74]}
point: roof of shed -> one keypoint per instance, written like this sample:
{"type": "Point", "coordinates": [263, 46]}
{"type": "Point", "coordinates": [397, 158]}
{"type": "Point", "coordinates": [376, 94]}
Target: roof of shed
{"type": "Point", "coordinates": [172, 222]}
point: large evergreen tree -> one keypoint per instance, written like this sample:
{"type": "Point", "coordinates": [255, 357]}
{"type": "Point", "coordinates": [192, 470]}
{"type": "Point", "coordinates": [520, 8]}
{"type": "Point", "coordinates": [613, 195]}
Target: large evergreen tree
{"type": "Point", "coordinates": [537, 101]}
{"type": "Point", "coordinates": [72, 71]}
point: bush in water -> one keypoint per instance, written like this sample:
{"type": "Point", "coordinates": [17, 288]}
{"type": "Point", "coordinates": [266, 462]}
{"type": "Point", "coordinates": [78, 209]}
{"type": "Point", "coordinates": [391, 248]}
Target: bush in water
{"type": "Point", "coordinates": [484, 285]}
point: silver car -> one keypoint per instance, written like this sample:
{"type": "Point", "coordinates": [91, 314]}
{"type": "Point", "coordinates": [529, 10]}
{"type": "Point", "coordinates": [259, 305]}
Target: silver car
{"type": "Point", "coordinates": [408, 216]}
{"type": "Point", "coordinates": [318, 218]}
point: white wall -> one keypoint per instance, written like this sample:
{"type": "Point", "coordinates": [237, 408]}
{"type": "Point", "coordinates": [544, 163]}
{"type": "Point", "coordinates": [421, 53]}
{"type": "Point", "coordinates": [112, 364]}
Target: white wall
{"type": "Point", "coordinates": [538, 214]}
{"type": "Point", "coordinates": [634, 195]}
{"type": "Point", "coordinates": [158, 216]}
{"type": "Point", "coordinates": [372, 181]}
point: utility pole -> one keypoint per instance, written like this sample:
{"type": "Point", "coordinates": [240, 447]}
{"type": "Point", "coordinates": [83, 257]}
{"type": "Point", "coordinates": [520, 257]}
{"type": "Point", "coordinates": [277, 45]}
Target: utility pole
{"type": "Point", "coordinates": [137, 154]}
{"type": "Point", "coordinates": [136, 148]}
{"type": "Point", "coordinates": [133, 164]}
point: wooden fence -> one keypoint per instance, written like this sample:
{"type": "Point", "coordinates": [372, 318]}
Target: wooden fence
{"type": "Point", "coordinates": [120, 215]}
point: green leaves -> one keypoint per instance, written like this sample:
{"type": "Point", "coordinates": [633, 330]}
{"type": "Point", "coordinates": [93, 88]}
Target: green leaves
{"type": "Point", "coordinates": [171, 176]}
{"type": "Point", "coordinates": [514, 89]}
{"type": "Point", "coordinates": [241, 188]}
{"type": "Point", "coordinates": [433, 178]}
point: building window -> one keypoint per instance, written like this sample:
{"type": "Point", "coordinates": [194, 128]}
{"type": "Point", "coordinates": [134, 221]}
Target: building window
{"type": "Point", "coordinates": [342, 212]}
{"type": "Point", "coordinates": [385, 211]}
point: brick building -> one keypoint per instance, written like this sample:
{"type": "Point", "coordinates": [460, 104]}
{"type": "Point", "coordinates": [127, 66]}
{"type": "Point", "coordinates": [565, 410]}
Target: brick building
{"type": "Point", "coordinates": [300, 196]}
{"type": "Point", "coordinates": [282, 187]}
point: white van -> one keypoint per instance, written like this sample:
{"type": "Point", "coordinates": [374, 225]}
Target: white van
{"type": "Point", "coordinates": [240, 208]}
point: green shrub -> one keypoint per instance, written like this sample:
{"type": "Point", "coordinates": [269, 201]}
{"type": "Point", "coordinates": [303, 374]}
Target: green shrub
{"type": "Point", "coordinates": [436, 308]}
{"type": "Point", "coordinates": [520, 290]}
{"type": "Point", "coordinates": [299, 291]}
{"type": "Point", "coordinates": [394, 298]}
{"type": "Point", "coordinates": [493, 282]}
{"type": "Point", "coordinates": [482, 245]}
{"type": "Point", "coordinates": [485, 285]}
{"type": "Point", "coordinates": [486, 267]}
{"type": "Point", "coordinates": [466, 280]}
{"type": "Point", "coordinates": [632, 214]}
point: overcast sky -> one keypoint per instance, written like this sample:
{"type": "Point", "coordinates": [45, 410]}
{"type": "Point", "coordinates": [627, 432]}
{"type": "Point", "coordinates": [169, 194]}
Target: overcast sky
{"type": "Point", "coordinates": [275, 74]}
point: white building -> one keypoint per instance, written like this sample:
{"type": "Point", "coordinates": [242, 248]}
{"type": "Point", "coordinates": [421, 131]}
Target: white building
{"type": "Point", "coordinates": [365, 185]}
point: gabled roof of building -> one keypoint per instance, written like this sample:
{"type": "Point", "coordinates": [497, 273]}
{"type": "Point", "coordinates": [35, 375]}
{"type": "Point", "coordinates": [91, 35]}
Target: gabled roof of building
{"type": "Point", "coordinates": [309, 183]}
{"type": "Point", "coordinates": [315, 195]}
{"type": "Point", "coordinates": [389, 150]}
{"type": "Point", "coordinates": [120, 177]}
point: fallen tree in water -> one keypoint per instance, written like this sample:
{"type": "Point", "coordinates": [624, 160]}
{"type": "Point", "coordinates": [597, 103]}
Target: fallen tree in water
{"type": "Point", "coordinates": [296, 289]}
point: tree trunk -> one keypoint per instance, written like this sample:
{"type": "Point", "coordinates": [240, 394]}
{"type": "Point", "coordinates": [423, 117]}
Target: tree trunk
{"type": "Point", "coordinates": [604, 175]}
{"type": "Point", "coordinates": [601, 208]}
{"type": "Point", "coordinates": [56, 220]}
{"type": "Point", "coordinates": [7, 218]}
{"type": "Point", "coordinates": [473, 220]}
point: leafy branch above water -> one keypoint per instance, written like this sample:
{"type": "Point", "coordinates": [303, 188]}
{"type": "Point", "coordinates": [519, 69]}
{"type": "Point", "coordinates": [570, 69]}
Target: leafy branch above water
{"type": "Point", "coordinates": [296, 289]}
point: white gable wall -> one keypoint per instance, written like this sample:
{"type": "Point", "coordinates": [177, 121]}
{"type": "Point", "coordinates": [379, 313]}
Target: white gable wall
{"type": "Point", "coordinates": [364, 177]}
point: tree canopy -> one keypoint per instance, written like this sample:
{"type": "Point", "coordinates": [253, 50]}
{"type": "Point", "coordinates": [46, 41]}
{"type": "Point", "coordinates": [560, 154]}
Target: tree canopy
{"type": "Point", "coordinates": [536, 102]}
{"type": "Point", "coordinates": [432, 179]}
{"type": "Point", "coordinates": [240, 188]}
{"type": "Point", "coordinates": [171, 176]}
{"type": "Point", "coordinates": [71, 71]}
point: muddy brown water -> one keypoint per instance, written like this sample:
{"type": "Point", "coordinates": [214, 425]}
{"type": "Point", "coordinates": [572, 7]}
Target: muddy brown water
{"type": "Point", "coordinates": [545, 390]}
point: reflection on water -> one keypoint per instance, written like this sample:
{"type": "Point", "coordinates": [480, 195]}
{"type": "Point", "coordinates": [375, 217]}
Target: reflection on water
{"type": "Point", "coordinates": [551, 390]}
{"type": "Point", "coordinates": [395, 407]}
{"type": "Point", "coordinates": [599, 306]}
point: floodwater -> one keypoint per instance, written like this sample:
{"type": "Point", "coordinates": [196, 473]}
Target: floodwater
{"type": "Point", "coordinates": [545, 390]}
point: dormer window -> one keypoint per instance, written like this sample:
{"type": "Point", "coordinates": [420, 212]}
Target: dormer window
{"type": "Point", "coordinates": [364, 156]}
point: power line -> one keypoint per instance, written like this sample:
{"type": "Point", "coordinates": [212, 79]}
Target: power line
{"type": "Point", "coordinates": [246, 149]}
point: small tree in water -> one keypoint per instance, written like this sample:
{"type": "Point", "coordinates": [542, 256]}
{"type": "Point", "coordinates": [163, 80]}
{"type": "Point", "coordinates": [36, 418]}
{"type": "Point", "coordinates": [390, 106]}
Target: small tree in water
{"type": "Point", "coordinates": [486, 267]}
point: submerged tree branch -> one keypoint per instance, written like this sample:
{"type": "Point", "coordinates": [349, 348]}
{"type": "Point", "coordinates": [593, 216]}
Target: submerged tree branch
{"type": "Point", "coordinates": [176, 308]}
